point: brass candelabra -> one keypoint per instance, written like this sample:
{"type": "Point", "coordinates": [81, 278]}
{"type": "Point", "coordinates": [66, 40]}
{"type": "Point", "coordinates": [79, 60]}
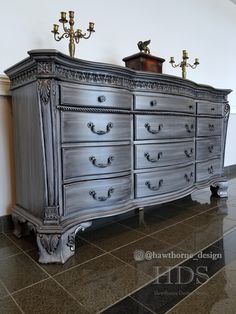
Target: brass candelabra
{"type": "Point", "coordinates": [73, 35]}
{"type": "Point", "coordinates": [184, 63]}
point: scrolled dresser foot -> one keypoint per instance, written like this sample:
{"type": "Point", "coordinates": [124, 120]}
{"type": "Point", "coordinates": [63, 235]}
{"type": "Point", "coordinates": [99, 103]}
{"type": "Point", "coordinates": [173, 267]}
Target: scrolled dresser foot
{"type": "Point", "coordinates": [58, 248]}
{"type": "Point", "coordinates": [220, 189]}
{"type": "Point", "coordinates": [18, 223]}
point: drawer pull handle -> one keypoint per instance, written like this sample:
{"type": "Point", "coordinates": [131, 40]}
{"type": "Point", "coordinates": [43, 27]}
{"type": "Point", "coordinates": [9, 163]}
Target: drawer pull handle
{"type": "Point", "coordinates": [94, 162]}
{"type": "Point", "coordinates": [91, 126]}
{"type": "Point", "coordinates": [211, 170]}
{"type": "Point", "coordinates": [190, 128]}
{"type": "Point", "coordinates": [148, 127]}
{"type": "Point", "coordinates": [210, 148]}
{"type": "Point", "coordinates": [189, 153]}
{"type": "Point", "coordinates": [212, 109]}
{"type": "Point", "coordinates": [188, 177]}
{"type": "Point", "coordinates": [153, 103]}
{"type": "Point", "coordinates": [101, 198]}
{"type": "Point", "coordinates": [190, 107]}
{"type": "Point", "coordinates": [147, 155]}
{"type": "Point", "coordinates": [211, 127]}
{"type": "Point", "coordinates": [154, 188]}
{"type": "Point", "coordinates": [101, 98]}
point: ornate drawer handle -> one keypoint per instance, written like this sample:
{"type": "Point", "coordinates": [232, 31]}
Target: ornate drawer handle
{"type": "Point", "coordinates": [101, 98]}
{"type": "Point", "coordinates": [210, 148]}
{"type": "Point", "coordinates": [148, 127]}
{"type": "Point", "coordinates": [154, 188]}
{"type": "Point", "coordinates": [211, 127]}
{"type": "Point", "coordinates": [211, 170]}
{"type": "Point", "coordinates": [94, 162]}
{"type": "Point", "coordinates": [212, 109]}
{"type": "Point", "coordinates": [189, 154]}
{"type": "Point", "coordinates": [101, 198]}
{"type": "Point", "coordinates": [147, 155]}
{"type": "Point", "coordinates": [188, 177]}
{"type": "Point", "coordinates": [91, 126]}
{"type": "Point", "coordinates": [153, 103]}
{"type": "Point", "coordinates": [190, 107]}
{"type": "Point", "coordinates": [190, 128]}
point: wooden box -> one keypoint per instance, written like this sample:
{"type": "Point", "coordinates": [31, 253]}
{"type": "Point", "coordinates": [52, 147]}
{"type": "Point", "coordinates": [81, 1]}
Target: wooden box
{"type": "Point", "coordinates": [144, 62]}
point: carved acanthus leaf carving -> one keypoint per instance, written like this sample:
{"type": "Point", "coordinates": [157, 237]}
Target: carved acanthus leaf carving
{"type": "Point", "coordinates": [227, 111]}
{"type": "Point", "coordinates": [50, 242]}
{"type": "Point", "coordinates": [44, 87]}
{"type": "Point", "coordinates": [44, 68]}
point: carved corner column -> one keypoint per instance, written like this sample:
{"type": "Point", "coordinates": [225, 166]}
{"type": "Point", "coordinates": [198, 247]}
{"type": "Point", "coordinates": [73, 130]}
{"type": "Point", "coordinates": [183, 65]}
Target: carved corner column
{"type": "Point", "coordinates": [47, 95]}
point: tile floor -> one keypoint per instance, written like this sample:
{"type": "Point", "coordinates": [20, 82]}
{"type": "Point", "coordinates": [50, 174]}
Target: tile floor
{"type": "Point", "coordinates": [137, 263]}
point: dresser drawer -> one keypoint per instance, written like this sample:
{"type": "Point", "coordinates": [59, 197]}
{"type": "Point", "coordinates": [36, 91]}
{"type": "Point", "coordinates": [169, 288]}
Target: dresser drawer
{"type": "Point", "coordinates": [96, 193]}
{"type": "Point", "coordinates": [161, 126]}
{"type": "Point", "coordinates": [208, 148]}
{"type": "Point", "coordinates": [155, 155]}
{"type": "Point", "coordinates": [164, 103]}
{"type": "Point", "coordinates": [163, 181]}
{"type": "Point", "coordinates": [210, 108]}
{"type": "Point", "coordinates": [208, 169]}
{"type": "Point", "coordinates": [209, 126]}
{"type": "Point", "coordinates": [82, 161]}
{"type": "Point", "coordinates": [73, 95]}
{"type": "Point", "coordinates": [78, 126]}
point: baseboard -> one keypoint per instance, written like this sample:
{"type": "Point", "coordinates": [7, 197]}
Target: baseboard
{"type": "Point", "coordinates": [6, 224]}
{"type": "Point", "coordinates": [230, 171]}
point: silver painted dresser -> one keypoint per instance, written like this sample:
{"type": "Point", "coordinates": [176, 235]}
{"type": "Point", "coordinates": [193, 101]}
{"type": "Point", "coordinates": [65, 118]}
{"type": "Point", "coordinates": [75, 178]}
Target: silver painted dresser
{"type": "Point", "coordinates": [94, 140]}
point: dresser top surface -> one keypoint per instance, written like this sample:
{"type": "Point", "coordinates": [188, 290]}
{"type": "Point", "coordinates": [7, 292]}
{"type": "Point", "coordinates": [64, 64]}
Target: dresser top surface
{"type": "Point", "coordinates": [51, 63]}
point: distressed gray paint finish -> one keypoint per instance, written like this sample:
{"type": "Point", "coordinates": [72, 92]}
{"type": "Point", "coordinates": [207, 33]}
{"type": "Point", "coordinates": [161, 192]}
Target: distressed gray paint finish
{"type": "Point", "coordinates": [75, 129]}
{"type": "Point", "coordinates": [161, 126]}
{"type": "Point", "coordinates": [163, 181]}
{"type": "Point", "coordinates": [208, 148]}
{"type": "Point", "coordinates": [92, 194]}
{"type": "Point", "coordinates": [164, 103]}
{"type": "Point", "coordinates": [159, 155]}
{"type": "Point", "coordinates": [210, 108]}
{"type": "Point", "coordinates": [84, 161]}
{"type": "Point", "coordinates": [209, 126]}
{"type": "Point", "coordinates": [78, 96]}
{"type": "Point", "coordinates": [28, 150]}
{"type": "Point", "coordinates": [207, 169]}
{"type": "Point", "coordinates": [94, 127]}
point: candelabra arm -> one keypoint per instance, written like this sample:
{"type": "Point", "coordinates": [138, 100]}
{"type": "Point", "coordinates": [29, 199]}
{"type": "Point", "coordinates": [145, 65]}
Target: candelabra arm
{"type": "Point", "coordinates": [58, 38]}
{"type": "Point", "coordinates": [87, 37]}
{"type": "Point", "coordinates": [175, 65]}
{"type": "Point", "coordinates": [192, 66]}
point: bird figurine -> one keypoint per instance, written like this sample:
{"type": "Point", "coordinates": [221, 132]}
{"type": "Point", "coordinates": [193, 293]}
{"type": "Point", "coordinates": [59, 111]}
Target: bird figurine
{"type": "Point", "coordinates": [143, 46]}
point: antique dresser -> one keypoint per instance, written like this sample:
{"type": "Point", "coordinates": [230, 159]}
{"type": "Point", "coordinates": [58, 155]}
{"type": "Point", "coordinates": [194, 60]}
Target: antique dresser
{"type": "Point", "coordinates": [94, 140]}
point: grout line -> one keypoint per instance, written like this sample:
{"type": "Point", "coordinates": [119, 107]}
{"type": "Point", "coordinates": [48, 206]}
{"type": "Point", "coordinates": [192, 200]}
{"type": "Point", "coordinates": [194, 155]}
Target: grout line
{"type": "Point", "coordinates": [169, 270]}
{"type": "Point", "coordinates": [11, 297]}
{"type": "Point", "coordinates": [73, 267]}
{"type": "Point", "coordinates": [105, 252]}
{"type": "Point", "coordinates": [143, 305]}
{"type": "Point", "coordinates": [127, 264]}
{"type": "Point", "coordinates": [49, 277]}
{"type": "Point", "coordinates": [29, 286]}
{"type": "Point", "coordinates": [191, 293]}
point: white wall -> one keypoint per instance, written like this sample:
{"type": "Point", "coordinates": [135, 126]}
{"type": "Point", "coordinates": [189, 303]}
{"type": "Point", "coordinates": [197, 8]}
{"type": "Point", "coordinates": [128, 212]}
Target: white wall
{"type": "Point", "coordinates": [7, 178]}
{"type": "Point", "coordinates": [206, 28]}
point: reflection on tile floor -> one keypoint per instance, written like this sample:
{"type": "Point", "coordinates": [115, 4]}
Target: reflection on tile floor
{"type": "Point", "coordinates": [111, 273]}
